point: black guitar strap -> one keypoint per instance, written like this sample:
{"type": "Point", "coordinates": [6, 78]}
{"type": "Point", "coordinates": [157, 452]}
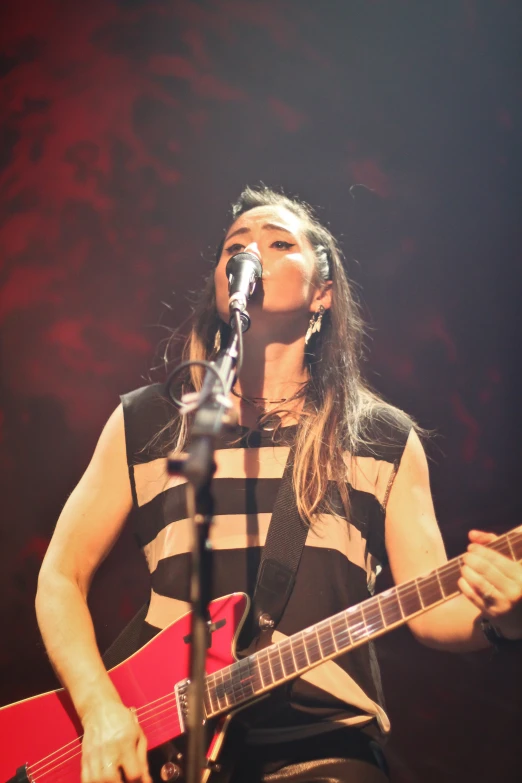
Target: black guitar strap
{"type": "Point", "coordinates": [128, 641]}
{"type": "Point", "coordinates": [281, 555]}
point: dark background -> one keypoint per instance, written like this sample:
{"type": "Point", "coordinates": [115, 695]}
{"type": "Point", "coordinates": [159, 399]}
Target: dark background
{"type": "Point", "coordinates": [126, 130]}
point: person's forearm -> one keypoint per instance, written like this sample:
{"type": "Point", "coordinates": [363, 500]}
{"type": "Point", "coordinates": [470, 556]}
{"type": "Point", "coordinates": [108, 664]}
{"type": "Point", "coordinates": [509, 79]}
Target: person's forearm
{"type": "Point", "coordinates": [453, 626]}
{"type": "Point", "coordinates": [68, 634]}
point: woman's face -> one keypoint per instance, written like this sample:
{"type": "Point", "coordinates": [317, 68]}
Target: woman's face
{"type": "Point", "coordinates": [289, 283]}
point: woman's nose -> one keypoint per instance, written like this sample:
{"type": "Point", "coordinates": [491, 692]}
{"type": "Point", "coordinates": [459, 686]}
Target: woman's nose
{"type": "Point", "coordinates": [253, 248]}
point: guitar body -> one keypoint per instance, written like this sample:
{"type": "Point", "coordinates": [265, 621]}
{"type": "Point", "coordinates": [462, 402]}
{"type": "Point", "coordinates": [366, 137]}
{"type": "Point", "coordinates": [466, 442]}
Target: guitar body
{"type": "Point", "coordinates": [44, 732]}
{"type": "Point", "coordinates": [41, 737]}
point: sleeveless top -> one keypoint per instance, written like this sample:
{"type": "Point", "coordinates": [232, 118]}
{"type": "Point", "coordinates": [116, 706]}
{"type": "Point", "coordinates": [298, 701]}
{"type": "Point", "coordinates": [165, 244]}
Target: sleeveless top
{"type": "Point", "coordinates": [339, 564]}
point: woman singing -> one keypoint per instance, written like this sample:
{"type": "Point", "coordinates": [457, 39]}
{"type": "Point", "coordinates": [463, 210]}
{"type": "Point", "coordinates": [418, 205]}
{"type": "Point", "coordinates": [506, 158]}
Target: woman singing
{"type": "Point", "coordinates": [360, 480]}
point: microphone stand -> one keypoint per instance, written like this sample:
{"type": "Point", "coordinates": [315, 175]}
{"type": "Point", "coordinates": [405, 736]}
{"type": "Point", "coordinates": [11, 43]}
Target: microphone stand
{"type": "Point", "coordinates": [212, 406]}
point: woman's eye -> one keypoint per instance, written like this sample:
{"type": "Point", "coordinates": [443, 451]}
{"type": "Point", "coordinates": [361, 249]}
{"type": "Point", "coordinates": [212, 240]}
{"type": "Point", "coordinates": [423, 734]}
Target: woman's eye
{"type": "Point", "coordinates": [234, 248]}
{"type": "Point", "coordinates": [280, 245]}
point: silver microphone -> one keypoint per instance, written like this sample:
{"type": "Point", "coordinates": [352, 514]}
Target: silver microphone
{"type": "Point", "coordinates": [243, 271]}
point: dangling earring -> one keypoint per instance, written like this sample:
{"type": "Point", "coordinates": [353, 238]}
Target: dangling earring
{"type": "Point", "coordinates": [217, 342]}
{"type": "Point", "coordinates": [315, 324]}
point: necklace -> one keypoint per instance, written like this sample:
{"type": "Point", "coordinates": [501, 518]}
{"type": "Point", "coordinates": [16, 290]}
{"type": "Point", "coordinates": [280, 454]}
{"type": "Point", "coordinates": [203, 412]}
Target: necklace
{"type": "Point", "coordinates": [268, 421]}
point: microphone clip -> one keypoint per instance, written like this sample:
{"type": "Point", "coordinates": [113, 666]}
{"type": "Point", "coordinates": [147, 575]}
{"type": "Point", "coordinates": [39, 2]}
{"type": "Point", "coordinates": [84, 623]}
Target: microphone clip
{"type": "Point", "coordinates": [243, 317]}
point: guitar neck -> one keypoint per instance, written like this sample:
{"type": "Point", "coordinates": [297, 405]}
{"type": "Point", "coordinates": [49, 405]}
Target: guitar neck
{"type": "Point", "coordinates": [283, 661]}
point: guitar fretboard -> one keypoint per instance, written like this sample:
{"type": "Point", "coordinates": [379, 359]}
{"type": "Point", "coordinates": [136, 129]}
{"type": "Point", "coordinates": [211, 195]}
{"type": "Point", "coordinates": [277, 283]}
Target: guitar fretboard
{"type": "Point", "coordinates": [286, 660]}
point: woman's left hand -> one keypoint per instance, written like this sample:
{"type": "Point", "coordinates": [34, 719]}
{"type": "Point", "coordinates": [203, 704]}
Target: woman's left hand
{"type": "Point", "coordinates": [493, 583]}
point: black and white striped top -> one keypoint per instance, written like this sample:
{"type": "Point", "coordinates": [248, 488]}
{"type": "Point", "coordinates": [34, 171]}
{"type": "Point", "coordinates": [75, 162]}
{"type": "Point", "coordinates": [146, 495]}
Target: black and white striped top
{"type": "Point", "coordinates": [338, 567]}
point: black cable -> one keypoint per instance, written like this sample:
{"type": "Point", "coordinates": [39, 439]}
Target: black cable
{"type": "Point", "coordinates": [239, 332]}
{"type": "Point", "coordinates": [183, 366]}
{"type": "Point", "coordinates": [237, 324]}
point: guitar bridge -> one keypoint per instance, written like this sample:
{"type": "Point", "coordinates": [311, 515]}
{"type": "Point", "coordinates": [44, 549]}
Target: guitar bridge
{"type": "Point", "coordinates": [181, 693]}
{"type": "Point", "coordinates": [181, 690]}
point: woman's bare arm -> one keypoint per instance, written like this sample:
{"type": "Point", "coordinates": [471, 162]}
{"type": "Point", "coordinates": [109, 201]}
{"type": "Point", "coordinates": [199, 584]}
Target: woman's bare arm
{"type": "Point", "coordinates": [88, 526]}
{"type": "Point", "coordinates": [414, 545]}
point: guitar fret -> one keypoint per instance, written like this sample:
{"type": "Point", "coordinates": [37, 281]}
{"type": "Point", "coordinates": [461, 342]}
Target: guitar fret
{"type": "Point", "coordinates": [341, 632]}
{"type": "Point", "coordinates": [515, 541]}
{"type": "Point", "coordinates": [244, 678]}
{"type": "Point", "coordinates": [416, 584]}
{"type": "Point", "coordinates": [372, 616]}
{"type": "Point", "coordinates": [449, 576]}
{"type": "Point", "coordinates": [390, 607]}
{"type": "Point", "coordinates": [276, 664]}
{"type": "Point", "coordinates": [332, 632]}
{"type": "Point", "coordinates": [257, 679]}
{"type": "Point", "coordinates": [299, 651]}
{"type": "Point", "coordinates": [311, 640]}
{"type": "Point", "coordinates": [272, 678]}
{"type": "Point", "coordinates": [409, 598]}
{"type": "Point", "coordinates": [207, 698]}
{"type": "Point", "coordinates": [429, 589]}
{"type": "Point", "coordinates": [243, 681]}
{"type": "Point", "coordinates": [264, 668]}
{"type": "Point", "coordinates": [383, 620]}
{"type": "Point", "coordinates": [513, 557]}
{"type": "Point", "coordinates": [439, 581]}
{"type": "Point", "coordinates": [326, 642]}
{"type": "Point", "coordinates": [291, 648]}
{"type": "Point", "coordinates": [232, 684]}
{"type": "Point", "coordinates": [317, 629]}
{"type": "Point", "coordinates": [220, 691]}
{"type": "Point", "coordinates": [356, 624]}
{"type": "Point", "coordinates": [287, 658]}
{"type": "Point", "coordinates": [228, 687]}
{"type": "Point", "coordinates": [281, 660]}
{"type": "Point", "coordinates": [211, 693]}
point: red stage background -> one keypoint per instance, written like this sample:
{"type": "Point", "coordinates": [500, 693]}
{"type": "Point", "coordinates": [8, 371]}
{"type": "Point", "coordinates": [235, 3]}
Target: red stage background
{"type": "Point", "coordinates": [126, 129]}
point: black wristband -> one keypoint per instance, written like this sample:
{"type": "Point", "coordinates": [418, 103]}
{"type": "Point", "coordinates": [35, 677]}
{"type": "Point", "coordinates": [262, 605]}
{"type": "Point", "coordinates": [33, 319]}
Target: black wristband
{"type": "Point", "coordinates": [496, 637]}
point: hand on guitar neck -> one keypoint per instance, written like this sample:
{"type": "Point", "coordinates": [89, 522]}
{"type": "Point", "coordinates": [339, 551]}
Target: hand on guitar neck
{"type": "Point", "coordinates": [493, 583]}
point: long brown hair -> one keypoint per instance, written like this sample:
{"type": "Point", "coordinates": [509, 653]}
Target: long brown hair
{"type": "Point", "coordinates": [339, 408]}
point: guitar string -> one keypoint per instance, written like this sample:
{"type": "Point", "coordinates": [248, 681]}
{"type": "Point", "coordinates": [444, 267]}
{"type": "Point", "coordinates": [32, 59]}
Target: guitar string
{"type": "Point", "coordinates": [38, 771]}
{"type": "Point", "coordinates": [140, 712]}
{"type": "Point", "coordinates": [143, 713]}
{"type": "Point", "coordinates": [171, 724]}
{"type": "Point", "coordinates": [412, 586]}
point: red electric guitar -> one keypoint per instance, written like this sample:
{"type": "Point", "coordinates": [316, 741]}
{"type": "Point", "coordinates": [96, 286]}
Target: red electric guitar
{"type": "Point", "coordinates": [41, 737]}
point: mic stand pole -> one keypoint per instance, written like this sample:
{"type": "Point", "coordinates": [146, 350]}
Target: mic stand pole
{"type": "Point", "coordinates": [198, 467]}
